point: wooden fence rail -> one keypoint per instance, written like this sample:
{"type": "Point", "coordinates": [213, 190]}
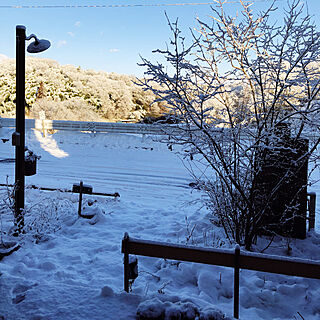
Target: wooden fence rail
{"type": "Point", "coordinates": [227, 258]}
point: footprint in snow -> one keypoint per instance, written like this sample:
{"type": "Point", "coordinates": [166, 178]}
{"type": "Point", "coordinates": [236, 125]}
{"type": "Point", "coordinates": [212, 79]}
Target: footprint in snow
{"type": "Point", "coordinates": [19, 292]}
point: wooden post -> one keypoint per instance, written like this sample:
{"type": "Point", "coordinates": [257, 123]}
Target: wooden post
{"type": "Point", "coordinates": [312, 209]}
{"type": "Point", "coordinates": [126, 261]}
{"type": "Point", "coordinates": [80, 198]}
{"type": "Point", "coordinates": [236, 282]}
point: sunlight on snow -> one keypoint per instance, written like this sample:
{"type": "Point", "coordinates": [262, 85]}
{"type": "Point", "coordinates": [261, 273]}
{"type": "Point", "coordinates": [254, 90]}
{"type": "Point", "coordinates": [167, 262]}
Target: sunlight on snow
{"type": "Point", "coordinates": [50, 145]}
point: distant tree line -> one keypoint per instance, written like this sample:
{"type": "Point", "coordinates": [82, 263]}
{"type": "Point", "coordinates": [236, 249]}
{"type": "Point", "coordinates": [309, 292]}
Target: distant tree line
{"type": "Point", "coordinates": [70, 93]}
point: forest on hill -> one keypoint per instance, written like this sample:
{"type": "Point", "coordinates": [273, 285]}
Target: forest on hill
{"type": "Point", "coordinates": [70, 93]}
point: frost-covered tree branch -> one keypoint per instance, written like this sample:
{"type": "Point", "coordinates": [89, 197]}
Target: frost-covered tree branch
{"type": "Point", "coordinates": [242, 89]}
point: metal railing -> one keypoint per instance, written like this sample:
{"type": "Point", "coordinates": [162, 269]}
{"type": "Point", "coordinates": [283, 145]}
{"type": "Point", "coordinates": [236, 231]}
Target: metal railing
{"type": "Point", "coordinates": [227, 258]}
{"type": "Point", "coordinates": [103, 127]}
{"type": "Point", "coordinates": [112, 127]}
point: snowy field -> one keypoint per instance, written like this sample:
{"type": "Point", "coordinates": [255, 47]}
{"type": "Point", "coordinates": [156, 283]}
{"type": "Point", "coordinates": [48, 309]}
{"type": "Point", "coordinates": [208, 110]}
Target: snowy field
{"type": "Point", "coordinates": [71, 268]}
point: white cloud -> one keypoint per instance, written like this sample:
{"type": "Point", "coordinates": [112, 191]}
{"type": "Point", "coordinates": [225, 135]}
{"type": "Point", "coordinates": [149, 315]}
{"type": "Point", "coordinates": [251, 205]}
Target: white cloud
{"type": "Point", "coordinates": [77, 24]}
{"type": "Point", "coordinates": [71, 34]}
{"type": "Point", "coordinates": [61, 43]}
{"type": "Point", "coordinates": [113, 50]}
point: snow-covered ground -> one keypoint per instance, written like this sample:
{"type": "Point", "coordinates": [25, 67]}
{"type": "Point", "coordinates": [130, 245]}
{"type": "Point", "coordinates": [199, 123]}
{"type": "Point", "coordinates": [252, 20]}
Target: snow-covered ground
{"type": "Point", "coordinates": [71, 268]}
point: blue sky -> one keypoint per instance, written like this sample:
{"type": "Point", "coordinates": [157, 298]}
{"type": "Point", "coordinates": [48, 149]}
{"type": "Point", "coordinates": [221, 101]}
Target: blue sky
{"type": "Point", "coordinates": [109, 39]}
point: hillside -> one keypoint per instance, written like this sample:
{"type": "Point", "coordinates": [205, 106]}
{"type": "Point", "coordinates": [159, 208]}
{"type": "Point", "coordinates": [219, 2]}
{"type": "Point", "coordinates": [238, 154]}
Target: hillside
{"type": "Point", "coordinates": [70, 93]}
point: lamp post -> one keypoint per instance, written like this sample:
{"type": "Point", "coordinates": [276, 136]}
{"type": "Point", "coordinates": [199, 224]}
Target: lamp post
{"type": "Point", "coordinates": [18, 137]}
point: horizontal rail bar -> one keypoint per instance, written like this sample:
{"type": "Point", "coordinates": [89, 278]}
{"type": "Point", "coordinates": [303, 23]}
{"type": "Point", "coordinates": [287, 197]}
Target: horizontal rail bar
{"type": "Point", "coordinates": [280, 265]}
{"type": "Point", "coordinates": [112, 127]}
{"type": "Point", "coordinates": [135, 128]}
{"type": "Point", "coordinates": [250, 261]}
{"type": "Point", "coordinates": [179, 252]}
{"type": "Point", "coordinates": [116, 194]}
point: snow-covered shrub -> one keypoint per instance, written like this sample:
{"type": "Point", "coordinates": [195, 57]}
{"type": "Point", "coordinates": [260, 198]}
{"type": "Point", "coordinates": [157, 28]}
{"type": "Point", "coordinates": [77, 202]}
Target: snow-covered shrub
{"type": "Point", "coordinates": [3, 209]}
{"type": "Point", "coordinates": [7, 208]}
{"type": "Point", "coordinates": [7, 200]}
{"type": "Point", "coordinates": [46, 215]}
{"type": "Point", "coordinates": [239, 80]}
{"type": "Point", "coordinates": [43, 214]}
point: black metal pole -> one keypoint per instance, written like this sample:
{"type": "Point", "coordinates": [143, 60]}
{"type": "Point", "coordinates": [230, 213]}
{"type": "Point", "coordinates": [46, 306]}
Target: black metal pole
{"type": "Point", "coordinates": [20, 126]}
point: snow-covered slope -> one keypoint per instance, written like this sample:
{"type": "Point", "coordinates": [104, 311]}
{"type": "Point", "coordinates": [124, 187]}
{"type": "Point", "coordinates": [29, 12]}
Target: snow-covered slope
{"type": "Point", "coordinates": [70, 268]}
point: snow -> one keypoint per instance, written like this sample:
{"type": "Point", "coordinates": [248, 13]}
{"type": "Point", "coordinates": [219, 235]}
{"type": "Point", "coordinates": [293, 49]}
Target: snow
{"type": "Point", "coordinates": [72, 268]}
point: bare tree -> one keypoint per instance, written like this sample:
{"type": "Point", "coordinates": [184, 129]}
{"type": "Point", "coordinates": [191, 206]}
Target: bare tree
{"type": "Point", "coordinates": [245, 90]}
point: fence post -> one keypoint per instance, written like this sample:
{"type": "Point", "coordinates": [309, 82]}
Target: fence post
{"type": "Point", "coordinates": [125, 241]}
{"type": "Point", "coordinates": [80, 198]}
{"type": "Point", "coordinates": [312, 209]}
{"type": "Point", "coordinates": [236, 282]}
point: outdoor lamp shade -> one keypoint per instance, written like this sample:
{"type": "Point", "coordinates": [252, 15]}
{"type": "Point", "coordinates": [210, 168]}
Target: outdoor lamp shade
{"type": "Point", "coordinates": [38, 46]}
